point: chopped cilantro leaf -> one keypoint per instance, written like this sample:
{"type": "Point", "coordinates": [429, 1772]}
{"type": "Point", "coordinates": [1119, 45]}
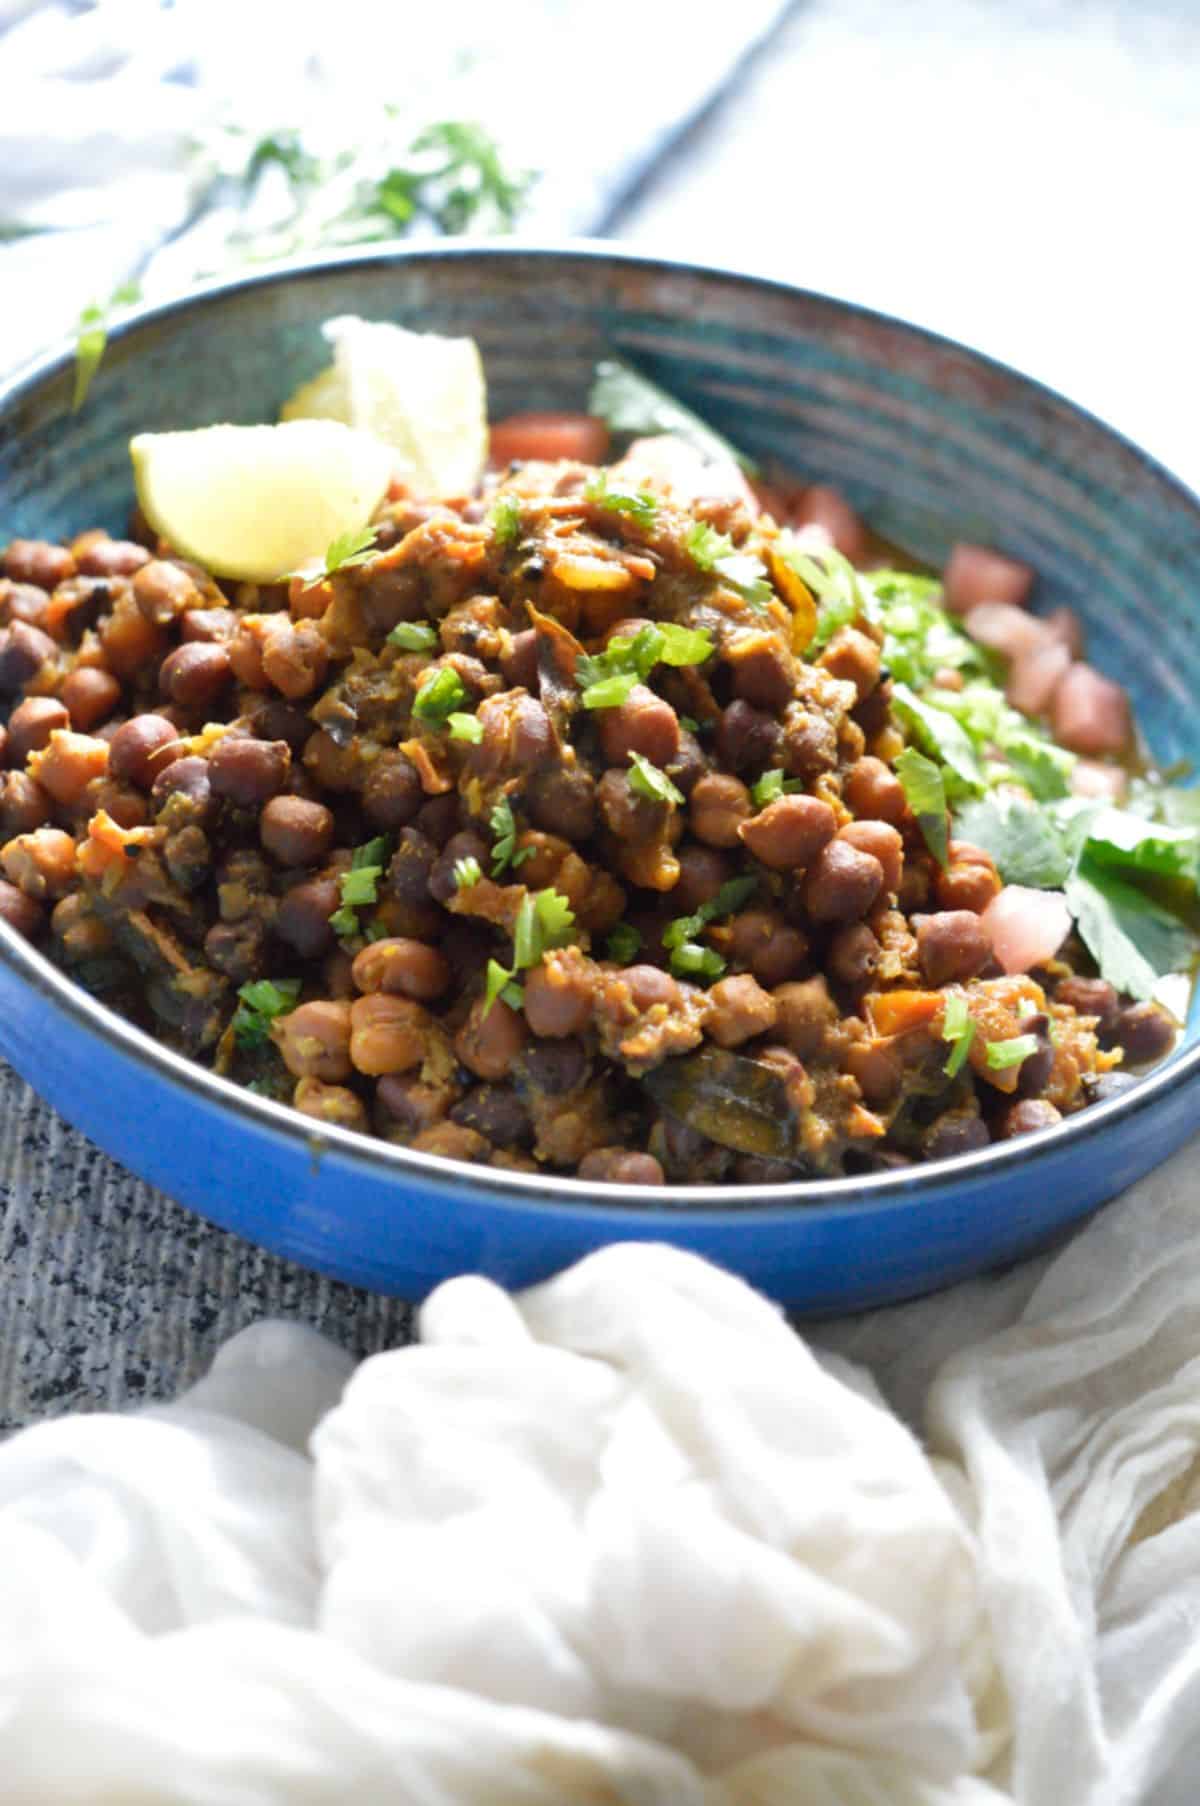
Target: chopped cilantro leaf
{"type": "Point", "coordinates": [497, 981]}
{"type": "Point", "coordinates": [610, 692]}
{"type": "Point", "coordinates": [1002, 1054]}
{"type": "Point", "coordinates": [371, 852]}
{"type": "Point", "coordinates": [1022, 839]}
{"type": "Point", "coordinates": [941, 736]}
{"type": "Point", "coordinates": [638, 504]}
{"type": "Point", "coordinates": [1133, 940]}
{"type": "Point", "coordinates": [680, 935]}
{"type": "Point", "coordinates": [504, 827]}
{"type": "Point", "coordinates": [467, 872]}
{"type": "Point", "coordinates": [623, 943]}
{"type": "Point", "coordinates": [356, 546]}
{"type": "Point", "coordinates": [413, 636]}
{"type": "Point", "coordinates": [840, 592]}
{"type": "Point", "coordinates": [771, 786]}
{"type": "Point", "coordinates": [465, 727]}
{"type": "Point", "coordinates": [259, 1002]}
{"type": "Point", "coordinates": [684, 645]}
{"type": "Point", "coordinates": [504, 519]}
{"type": "Point", "coordinates": [438, 699]}
{"type": "Point", "coordinates": [544, 920]}
{"type": "Point", "coordinates": [359, 885]}
{"type": "Point", "coordinates": [689, 724]}
{"type": "Point", "coordinates": [925, 794]}
{"type": "Point", "coordinates": [631, 403]}
{"type": "Point", "coordinates": [647, 780]}
{"type": "Point", "coordinates": [742, 571]}
{"type": "Point", "coordinates": [344, 922]}
{"type": "Point", "coordinates": [959, 1030]}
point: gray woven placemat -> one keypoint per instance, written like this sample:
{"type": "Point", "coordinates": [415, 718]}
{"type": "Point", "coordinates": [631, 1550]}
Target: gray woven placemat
{"type": "Point", "coordinates": [111, 1294]}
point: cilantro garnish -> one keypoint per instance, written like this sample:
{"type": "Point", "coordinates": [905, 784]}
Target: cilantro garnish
{"type": "Point", "coordinates": [504, 519]}
{"type": "Point", "coordinates": [638, 504]}
{"type": "Point", "coordinates": [648, 781]}
{"type": "Point", "coordinates": [359, 886]}
{"type": "Point", "coordinates": [438, 699]}
{"type": "Point", "coordinates": [413, 636]}
{"type": "Point", "coordinates": [544, 920]}
{"type": "Point", "coordinates": [840, 591]}
{"type": "Point", "coordinates": [607, 677]}
{"type": "Point", "coordinates": [466, 727]}
{"type": "Point", "coordinates": [500, 983]}
{"type": "Point", "coordinates": [623, 943]}
{"type": "Point", "coordinates": [771, 786]}
{"type": "Point", "coordinates": [92, 339]}
{"type": "Point", "coordinates": [959, 1029]}
{"type": "Point", "coordinates": [610, 692]}
{"type": "Point", "coordinates": [742, 571]}
{"type": "Point", "coordinates": [357, 546]}
{"type": "Point", "coordinates": [467, 872]}
{"type": "Point", "coordinates": [1002, 1054]}
{"type": "Point", "coordinates": [259, 1002]}
{"type": "Point", "coordinates": [689, 958]}
{"type": "Point", "coordinates": [925, 794]}
{"type": "Point", "coordinates": [503, 825]}
{"type": "Point", "coordinates": [631, 403]}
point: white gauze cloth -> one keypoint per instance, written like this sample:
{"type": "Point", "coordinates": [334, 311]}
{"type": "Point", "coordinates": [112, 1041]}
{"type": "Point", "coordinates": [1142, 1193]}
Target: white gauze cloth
{"type": "Point", "coordinates": [627, 1537]}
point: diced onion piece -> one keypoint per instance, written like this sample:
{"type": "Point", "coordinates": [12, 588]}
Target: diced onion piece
{"type": "Point", "coordinates": [1026, 927]}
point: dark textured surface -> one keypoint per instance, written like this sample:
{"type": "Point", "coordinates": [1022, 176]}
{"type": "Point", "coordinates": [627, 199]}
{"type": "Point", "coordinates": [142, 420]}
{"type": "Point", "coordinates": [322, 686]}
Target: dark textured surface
{"type": "Point", "coordinates": [110, 1294]}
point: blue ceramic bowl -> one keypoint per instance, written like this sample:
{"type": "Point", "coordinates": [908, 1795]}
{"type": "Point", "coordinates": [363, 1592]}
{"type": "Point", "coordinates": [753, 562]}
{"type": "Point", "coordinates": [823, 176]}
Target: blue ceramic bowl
{"type": "Point", "coordinates": [933, 442]}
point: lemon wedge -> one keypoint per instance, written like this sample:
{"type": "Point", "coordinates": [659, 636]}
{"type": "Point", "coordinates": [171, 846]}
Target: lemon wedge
{"type": "Point", "coordinates": [258, 501]}
{"type": "Point", "coordinates": [422, 394]}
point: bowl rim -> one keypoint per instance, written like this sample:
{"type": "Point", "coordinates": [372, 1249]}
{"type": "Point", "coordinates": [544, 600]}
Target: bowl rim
{"type": "Point", "coordinates": [745, 1205]}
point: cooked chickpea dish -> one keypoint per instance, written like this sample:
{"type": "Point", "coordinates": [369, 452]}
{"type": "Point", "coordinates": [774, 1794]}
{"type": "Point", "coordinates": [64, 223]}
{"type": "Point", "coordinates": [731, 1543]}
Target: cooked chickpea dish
{"type": "Point", "coordinates": [620, 820]}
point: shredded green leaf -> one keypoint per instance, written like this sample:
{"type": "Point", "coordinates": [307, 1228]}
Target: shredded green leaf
{"type": "Point", "coordinates": [259, 1002]}
{"type": "Point", "coordinates": [438, 699]}
{"type": "Point", "coordinates": [413, 636]}
{"type": "Point", "coordinates": [623, 943]}
{"type": "Point", "coordinates": [647, 780]}
{"type": "Point", "coordinates": [959, 1029]}
{"type": "Point", "coordinates": [1002, 1054]}
{"type": "Point", "coordinates": [925, 794]}
{"type": "Point", "coordinates": [631, 403]}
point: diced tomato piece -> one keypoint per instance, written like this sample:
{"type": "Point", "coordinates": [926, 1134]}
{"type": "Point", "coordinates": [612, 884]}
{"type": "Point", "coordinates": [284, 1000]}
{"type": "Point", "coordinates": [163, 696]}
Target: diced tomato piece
{"type": "Point", "coordinates": [976, 574]}
{"type": "Point", "coordinates": [1006, 629]}
{"type": "Point", "coordinates": [544, 438]}
{"type": "Point", "coordinates": [1090, 713]}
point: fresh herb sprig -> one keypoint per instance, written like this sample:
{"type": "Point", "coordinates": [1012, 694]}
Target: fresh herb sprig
{"type": "Point", "coordinates": [689, 957]}
{"type": "Point", "coordinates": [742, 571]}
{"type": "Point", "coordinates": [259, 1002]}
{"type": "Point", "coordinates": [354, 547]}
{"type": "Point", "coordinates": [544, 920]}
{"type": "Point", "coordinates": [504, 853]}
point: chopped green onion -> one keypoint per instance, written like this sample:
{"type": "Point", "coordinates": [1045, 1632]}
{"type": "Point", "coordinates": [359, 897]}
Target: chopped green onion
{"type": "Point", "coordinates": [467, 872]}
{"type": "Point", "coordinates": [525, 936]}
{"type": "Point", "coordinates": [959, 1029]}
{"type": "Point", "coordinates": [1002, 1054]}
{"type": "Point", "coordinates": [680, 935]}
{"type": "Point", "coordinates": [513, 995]}
{"type": "Point", "coordinates": [440, 697]}
{"type": "Point", "coordinates": [466, 727]}
{"type": "Point", "coordinates": [359, 885]}
{"type": "Point", "coordinates": [623, 943]}
{"type": "Point", "coordinates": [413, 636]}
{"type": "Point", "coordinates": [344, 922]}
{"type": "Point", "coordinates": [647, 780]}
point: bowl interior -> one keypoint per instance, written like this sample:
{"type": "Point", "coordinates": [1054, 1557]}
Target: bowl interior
{"type": "Point", "coordinates": [931, 441]}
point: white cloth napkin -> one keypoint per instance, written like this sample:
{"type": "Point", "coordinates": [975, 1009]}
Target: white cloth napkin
{"type": "Point", "coordinates": [627, 1537]}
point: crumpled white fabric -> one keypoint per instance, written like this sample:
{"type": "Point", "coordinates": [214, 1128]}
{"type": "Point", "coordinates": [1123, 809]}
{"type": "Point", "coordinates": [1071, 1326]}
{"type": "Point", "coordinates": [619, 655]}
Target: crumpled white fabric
{"type": "Point", "coordinates": [629, 1538]}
